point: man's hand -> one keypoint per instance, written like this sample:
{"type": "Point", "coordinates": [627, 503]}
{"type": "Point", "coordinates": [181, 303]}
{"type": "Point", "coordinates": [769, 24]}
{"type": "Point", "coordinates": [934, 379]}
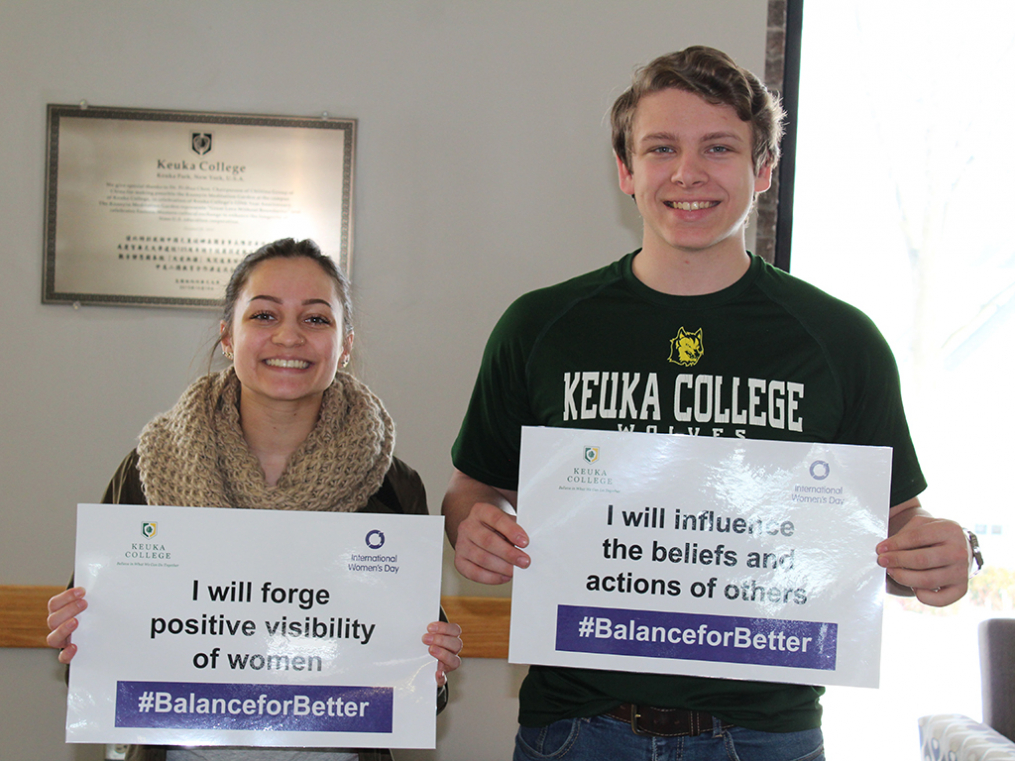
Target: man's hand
{"type": "Point", "coordinates": [482, 528]}
{"type": "Point", "coordinates": [487, 547]}
{"type": "Point", "coordinates": [929, 555]}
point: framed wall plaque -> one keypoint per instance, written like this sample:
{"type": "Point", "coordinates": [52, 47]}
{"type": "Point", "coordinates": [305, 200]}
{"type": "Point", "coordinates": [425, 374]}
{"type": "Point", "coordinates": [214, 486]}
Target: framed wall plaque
{"type": "Point", "coordinates": [156, 208]}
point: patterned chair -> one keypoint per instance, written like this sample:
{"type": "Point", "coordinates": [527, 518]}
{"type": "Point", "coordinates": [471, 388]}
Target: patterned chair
{"type": "Point", "coordinates": [954, 737]}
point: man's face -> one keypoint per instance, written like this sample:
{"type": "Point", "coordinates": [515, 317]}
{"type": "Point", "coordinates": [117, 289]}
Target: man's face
{"type": "Point", "coordinates": [691, 174]}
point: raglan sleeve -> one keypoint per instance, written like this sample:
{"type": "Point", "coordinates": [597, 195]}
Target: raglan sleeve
{"type": "Point", "coordinates": [875, 415]}
{"type": "Point", "coordinates": [489, 440]}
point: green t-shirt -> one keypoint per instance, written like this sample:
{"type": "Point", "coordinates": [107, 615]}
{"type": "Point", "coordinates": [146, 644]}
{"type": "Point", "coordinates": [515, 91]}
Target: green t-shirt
{"type": "Point", "coordinates": [770, 357]}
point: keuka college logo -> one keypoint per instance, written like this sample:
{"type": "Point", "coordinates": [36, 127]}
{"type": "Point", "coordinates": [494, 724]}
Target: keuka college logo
{"type": "Point", "coordinates": [148, 530]}
{"type": "Point", "coordinates": [200, 142]}
{"type": "Point", "coordinates": [686, 349]}
{"type": "Point", "coordinates": [582, 478]}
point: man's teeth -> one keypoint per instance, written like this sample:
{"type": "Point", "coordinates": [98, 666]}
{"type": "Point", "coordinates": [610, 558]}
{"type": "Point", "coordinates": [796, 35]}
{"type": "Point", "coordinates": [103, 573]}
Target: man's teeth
{"type": "Point", "coordinates": [691, 205]}
{"type": "Point", "coordinates": [298, 364]}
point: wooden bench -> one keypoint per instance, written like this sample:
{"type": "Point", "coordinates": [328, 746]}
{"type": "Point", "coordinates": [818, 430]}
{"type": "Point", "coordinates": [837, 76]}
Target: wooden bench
{"type": "Point", "coordinates": [485, 621]}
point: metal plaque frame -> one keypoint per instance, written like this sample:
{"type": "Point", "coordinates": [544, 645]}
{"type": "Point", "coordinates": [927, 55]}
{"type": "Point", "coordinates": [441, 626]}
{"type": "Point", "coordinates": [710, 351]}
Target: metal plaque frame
{"type": "Point", "coordinates": [155, 208]}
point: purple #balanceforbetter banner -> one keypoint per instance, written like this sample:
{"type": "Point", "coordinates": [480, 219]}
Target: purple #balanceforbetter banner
{"type": "Point", "coordinates": [290, 708]}
{"type": "Point", "coordinates": [697, 637]}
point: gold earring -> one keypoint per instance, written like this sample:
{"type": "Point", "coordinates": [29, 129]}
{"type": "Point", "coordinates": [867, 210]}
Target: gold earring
{"type": "Point", "coordinates": [227, 353]}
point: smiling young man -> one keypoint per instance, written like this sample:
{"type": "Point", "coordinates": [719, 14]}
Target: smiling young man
{"type": "Point", "coordinates": [692, 335]}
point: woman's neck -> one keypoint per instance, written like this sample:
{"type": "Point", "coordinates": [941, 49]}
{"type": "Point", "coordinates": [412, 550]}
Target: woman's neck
{"type": "Point", "coordinates": [275, 430]}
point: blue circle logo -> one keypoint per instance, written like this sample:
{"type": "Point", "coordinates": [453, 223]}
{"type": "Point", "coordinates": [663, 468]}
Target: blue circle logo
{"type": "Point", "coordinates": [375, 539]}
{"type": "Point", "coordinates": [820, 470]}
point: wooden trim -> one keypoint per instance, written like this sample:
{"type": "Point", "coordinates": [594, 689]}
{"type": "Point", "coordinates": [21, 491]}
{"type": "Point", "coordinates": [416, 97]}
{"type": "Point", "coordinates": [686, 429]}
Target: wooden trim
{"type": "Point", "coordinates": [485, 621]}
{"type": "Point", "coordinates": [23, 615]}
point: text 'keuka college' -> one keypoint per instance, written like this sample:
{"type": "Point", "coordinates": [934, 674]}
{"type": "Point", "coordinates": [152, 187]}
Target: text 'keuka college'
{"type": "Point", "coordinates": [710, 400]}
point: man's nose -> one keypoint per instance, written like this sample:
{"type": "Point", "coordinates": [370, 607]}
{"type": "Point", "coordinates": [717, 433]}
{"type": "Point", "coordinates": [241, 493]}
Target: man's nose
{"type": "Point", "coordinates": [689, 171]}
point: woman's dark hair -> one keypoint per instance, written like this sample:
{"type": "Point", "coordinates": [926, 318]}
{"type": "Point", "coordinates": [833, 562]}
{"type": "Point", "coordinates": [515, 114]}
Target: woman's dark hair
{"type": "Point", "coordinates": [287, 248]}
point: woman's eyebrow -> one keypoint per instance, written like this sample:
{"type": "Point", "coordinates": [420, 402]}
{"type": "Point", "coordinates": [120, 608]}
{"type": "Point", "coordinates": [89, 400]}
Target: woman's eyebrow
{"type": "Point", "coordinates": [277, 300]}
{"type": "Point", "coordinates": [265, 297]}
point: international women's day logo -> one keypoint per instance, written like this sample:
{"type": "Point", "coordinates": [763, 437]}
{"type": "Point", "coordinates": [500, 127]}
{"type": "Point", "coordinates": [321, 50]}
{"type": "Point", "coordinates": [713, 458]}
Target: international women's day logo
{"type": "Point", "coordinates": [820, 470]}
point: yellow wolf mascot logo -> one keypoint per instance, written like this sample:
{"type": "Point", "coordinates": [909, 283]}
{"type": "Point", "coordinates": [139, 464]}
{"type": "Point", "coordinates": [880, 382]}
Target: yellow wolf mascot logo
{"type": "Point", "coordinates": [686, 349]}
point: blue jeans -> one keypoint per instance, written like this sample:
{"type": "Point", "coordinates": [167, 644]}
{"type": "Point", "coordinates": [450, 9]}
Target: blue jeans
{"type": "Point", "coordinates": [603, 738]}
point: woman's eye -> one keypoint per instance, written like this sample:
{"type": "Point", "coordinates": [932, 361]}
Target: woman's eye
{"type": "Point", "coordinates": [261, 316]}
{"type": "Point", "coordinates": [319, 320]}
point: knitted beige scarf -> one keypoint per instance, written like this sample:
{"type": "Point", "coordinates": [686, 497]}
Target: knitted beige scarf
{"type": "Point", "coordinates": [195, 454]}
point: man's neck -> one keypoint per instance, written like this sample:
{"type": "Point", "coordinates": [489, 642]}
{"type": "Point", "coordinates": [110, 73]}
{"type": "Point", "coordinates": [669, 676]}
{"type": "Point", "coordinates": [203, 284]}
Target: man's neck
{"type": "Point", "coordinates": [694, 273]}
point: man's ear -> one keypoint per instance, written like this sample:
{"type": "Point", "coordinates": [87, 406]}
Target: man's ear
{"type": "Point", "coordinates": [624, 176]}
{"type": "Point", "coordinates": [763, 181]}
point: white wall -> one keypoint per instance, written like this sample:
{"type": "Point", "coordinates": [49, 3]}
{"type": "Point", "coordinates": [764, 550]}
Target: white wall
{"type": "Point", "coordinates": [483, 170]}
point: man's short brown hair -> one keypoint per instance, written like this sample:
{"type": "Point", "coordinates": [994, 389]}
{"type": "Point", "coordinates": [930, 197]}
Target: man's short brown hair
{"type": "Point", "coordinates": [715, 77]}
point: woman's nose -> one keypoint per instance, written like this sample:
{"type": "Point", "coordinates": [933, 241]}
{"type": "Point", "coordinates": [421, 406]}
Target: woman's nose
{"type": "Point", "coordinates": [288, 335]}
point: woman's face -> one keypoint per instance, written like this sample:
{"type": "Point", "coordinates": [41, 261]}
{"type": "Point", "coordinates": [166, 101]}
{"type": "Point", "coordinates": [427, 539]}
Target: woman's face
{"type": "Point", "coordinates": [287, 335]}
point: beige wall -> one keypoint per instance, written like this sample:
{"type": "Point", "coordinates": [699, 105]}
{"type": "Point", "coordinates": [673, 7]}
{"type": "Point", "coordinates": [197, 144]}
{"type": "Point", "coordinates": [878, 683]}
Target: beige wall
{"type": "Point", "coordinates": [483, 170]}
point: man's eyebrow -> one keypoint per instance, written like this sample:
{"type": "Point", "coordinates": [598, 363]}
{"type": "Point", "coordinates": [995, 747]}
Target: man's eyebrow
{"type": "Point", "coordinates": [721, 136]}
{"type": "Point", "coordinates": [670, 137]}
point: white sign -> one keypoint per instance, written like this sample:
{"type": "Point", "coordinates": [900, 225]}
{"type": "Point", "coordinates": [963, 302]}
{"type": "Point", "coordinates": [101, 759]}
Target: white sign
{"type": "Point", "coordinates": [703, 556]}
{"type": "Point", "coordinates": [254, 627]}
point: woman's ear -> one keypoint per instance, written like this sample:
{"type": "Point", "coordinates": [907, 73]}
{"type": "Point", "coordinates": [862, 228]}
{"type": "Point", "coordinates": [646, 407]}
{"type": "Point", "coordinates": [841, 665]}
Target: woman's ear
{"type": "Point", "coordinates": [347, 342]}
{"type": "Point", "coordinates": [225, 339]}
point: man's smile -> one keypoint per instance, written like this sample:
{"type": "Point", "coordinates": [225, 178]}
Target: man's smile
{"type": "Point", "coordinates": [690, 205]}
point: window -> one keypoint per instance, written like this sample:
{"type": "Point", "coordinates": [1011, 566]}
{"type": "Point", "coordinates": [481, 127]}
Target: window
{"type": "Point", "coordinates": [903, 196]}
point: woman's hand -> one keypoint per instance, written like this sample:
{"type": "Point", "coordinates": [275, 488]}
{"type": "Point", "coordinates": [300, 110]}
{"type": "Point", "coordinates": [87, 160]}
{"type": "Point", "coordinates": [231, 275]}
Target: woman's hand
{"type": "Point", "coordinates": [63, 610]}
{"type": "Point", "coordinates": [445, 644]}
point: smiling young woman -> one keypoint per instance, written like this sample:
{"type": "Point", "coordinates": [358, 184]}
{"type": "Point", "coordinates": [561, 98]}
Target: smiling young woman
{"type": "Point", "coordinates": [281, 428]}
{"type": "Point", "coordinates": [288, 331]}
